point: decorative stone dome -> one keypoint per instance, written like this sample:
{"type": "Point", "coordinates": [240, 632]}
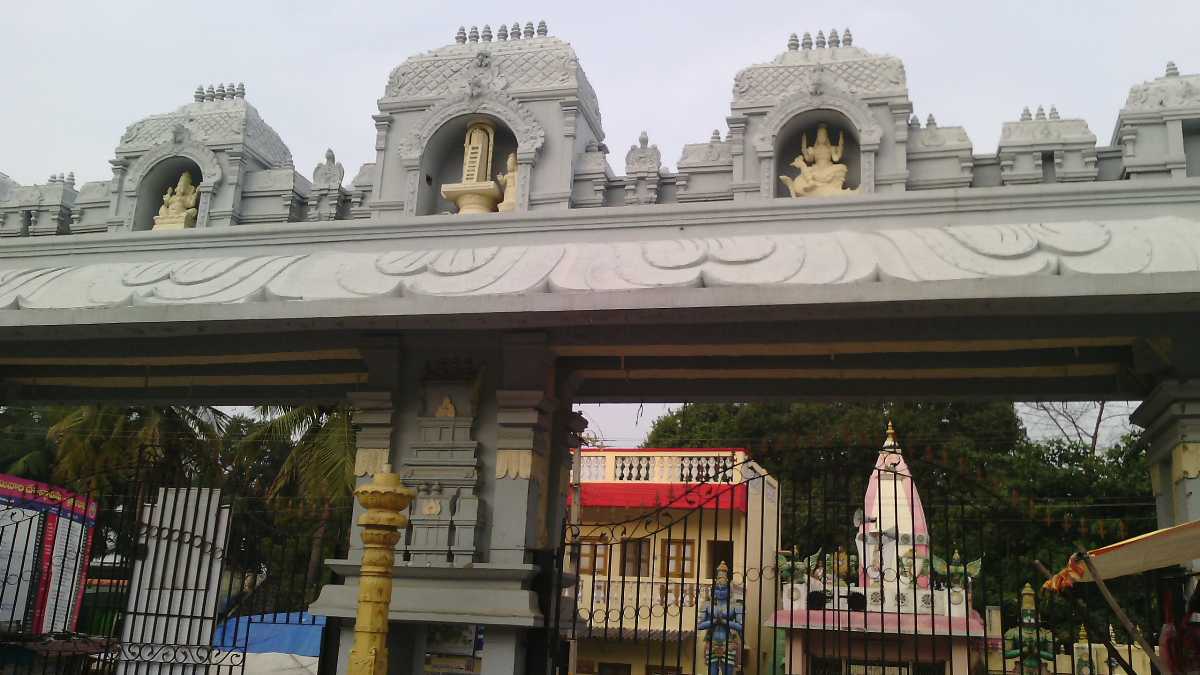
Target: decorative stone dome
{"type": "Point", "coordinates": [215, 117]}
{"type": "Point", "coordinates": [847, 68]}
{"type": "Point", "coordinates": [513, 66]}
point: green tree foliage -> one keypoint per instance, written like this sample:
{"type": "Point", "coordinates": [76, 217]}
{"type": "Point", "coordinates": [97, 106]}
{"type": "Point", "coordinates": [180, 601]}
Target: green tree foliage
{"type": "Point", "coordinates": [25, 450]}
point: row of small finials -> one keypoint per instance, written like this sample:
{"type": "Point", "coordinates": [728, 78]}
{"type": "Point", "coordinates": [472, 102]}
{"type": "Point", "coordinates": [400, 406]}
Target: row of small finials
{"type": "Point", "coordinates": [220, 92]}
{"type": "Point", "coordinates": [845, 40]}
{"type": "Point", "coordinates": [502, 33]}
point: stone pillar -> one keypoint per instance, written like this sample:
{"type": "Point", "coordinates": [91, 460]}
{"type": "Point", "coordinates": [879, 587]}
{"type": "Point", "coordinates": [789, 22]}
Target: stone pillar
{"type": "Point", "coordinates": [1171, 418]}
{"type": "Point", "coordinates": [503, 651]}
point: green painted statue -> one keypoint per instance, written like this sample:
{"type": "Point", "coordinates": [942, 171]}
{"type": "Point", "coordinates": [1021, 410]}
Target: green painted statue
{"type": "Point", "coordinates": [1030, 645]}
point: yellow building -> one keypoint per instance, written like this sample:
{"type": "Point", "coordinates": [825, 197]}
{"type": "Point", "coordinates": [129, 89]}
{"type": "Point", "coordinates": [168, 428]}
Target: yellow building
{"type": "Point", "coordinates": [654, 527]}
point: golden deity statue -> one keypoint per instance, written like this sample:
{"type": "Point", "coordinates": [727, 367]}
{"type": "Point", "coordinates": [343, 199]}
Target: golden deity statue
{"type": "Point", "coordinates": [508, 182]}
{"type": "Point", "coordinates": [821, 174]}
{"type": "Point", "coordinates": [476, 193]}
{"type": "Point", "coordinates": [178, 208]}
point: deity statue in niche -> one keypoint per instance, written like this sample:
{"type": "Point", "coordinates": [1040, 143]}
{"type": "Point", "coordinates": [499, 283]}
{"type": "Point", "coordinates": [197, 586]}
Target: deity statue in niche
{"type": "Point", "coordinates": [178, 208]}
{"type": "Point", "coordinates": [476, 193]}
{"type": "Point", "coordinates": [508, 183]}
{"type": "Point", "coordinates": [1029, 646]}
{"type": "Point", "coordinates": [821, 173]}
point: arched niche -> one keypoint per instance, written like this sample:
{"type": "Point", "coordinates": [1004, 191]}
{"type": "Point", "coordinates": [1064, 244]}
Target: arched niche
{"type": "Point", "coordinates": [803, 106]}
{"type": "Point", "coordinates": [441, 161]}
{"type": "Point", "coordinates": [789, 141]}
{"type": "Point", "coordinates": [154, 183]}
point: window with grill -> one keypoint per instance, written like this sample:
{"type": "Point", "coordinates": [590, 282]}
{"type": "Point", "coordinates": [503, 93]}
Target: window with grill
{"type": "Point", "coordinates": [678, 558]}
{"type": "Point", "coordinates": [593, 555]}
{"type": "Point", "coordinates": [635, 557]}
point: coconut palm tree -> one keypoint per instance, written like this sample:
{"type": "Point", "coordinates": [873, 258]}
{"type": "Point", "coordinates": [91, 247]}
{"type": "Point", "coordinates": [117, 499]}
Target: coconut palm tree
{"type": "Point", "coordinates": [102, 447]}
{"type": "Point", "coordinates": [319, 468]}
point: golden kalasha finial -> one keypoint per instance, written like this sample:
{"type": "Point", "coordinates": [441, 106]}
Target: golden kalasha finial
{"type": "Point", "coordinates": [890, 443]}
{"type": "Point", "coordinates": [1083, 636]}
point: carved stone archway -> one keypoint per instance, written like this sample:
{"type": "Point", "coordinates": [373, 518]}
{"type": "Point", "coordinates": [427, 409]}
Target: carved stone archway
{"type": "Point", "coordinates": [867, 131]}
{"type": "Point", "coordinates": [520, 120]}
{"type": "Point", "coordinates": [210, 169]}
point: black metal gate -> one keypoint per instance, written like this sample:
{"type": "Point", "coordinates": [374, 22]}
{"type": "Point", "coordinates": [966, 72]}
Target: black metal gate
{"type": "Point", "coordinates": [157, 576]}
{"type": "Point", "coordinates": [858, 562]}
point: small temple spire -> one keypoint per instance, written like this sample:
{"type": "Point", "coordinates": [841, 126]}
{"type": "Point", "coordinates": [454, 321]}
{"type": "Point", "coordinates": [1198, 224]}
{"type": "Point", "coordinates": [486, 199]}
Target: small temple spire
{"type": "Point", "coordinates": [1025, 114]}
{"type": "Point", "coordinates": [806, 41]}
{"type": "Point", "coordinates": [793, 42]}
{"type": "Point", "coordinates": [1054, 113]}
{"type": "Point", "coordinates": [847, 38]}
{"type": "Point", "coordinates": [486, 35]}
{"type": "Point", "coordinates": [834, 40]}
{"type": "Point", "coordinates": [198, 95]}
{"type": "Point", "coordinates": [514, 33]}
{"type": "Point", "coordinates": [889, 443]}
{"type": "Point", "coordinates": [914, 121]}
{"type": "Point", "coordinates": [502, 33]}
{"type": "Point", "coordinates": [1172, 69]}
{"type": "Point", "coordinates": [542, 30]}
{"type": "Point", "coordinates": [1041, 113]}
{"type": "Point", "coordinates": [528, 29]}
{"type": "Point", "coordinates": [461, 36]}
{"type": "Point", "coordinates": [716, 136]}
{"type": "Point", "coordinates": [820, 39]}
{"type": "Point", "coordinates": [473, 36]}
{"type": "Point", "coordinates": [930, 122]}
{"type": "Point", "coordinates": [241, 90]}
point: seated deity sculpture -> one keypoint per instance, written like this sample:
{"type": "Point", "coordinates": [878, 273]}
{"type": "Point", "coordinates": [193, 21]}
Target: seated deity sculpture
{"type": "Point", "coordinates": [821, 173]}
{"type": "Point", "coordinates": [178, 210]}
{"type": "Point", "coordinates": [476, 193]}
{"type": "Point", "coordinates": [508, 183]}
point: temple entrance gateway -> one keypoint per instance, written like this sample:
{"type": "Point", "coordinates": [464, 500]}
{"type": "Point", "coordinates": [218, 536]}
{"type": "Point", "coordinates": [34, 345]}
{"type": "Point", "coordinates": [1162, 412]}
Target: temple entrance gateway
{"type": "Point", "coordinates": [463, 342]}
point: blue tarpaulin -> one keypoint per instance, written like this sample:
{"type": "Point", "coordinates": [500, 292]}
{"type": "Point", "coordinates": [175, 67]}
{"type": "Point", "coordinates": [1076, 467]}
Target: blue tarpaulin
{"type": "Point", "coordinates": [296, 633]}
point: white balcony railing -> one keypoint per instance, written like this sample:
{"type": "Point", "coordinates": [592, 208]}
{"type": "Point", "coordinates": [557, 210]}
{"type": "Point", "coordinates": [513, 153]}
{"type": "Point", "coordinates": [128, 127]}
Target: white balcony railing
{"type": "Point", "coordinates": [673, 468]}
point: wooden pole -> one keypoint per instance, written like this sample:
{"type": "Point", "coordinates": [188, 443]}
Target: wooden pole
{"type": "Point", "coordinates": [1120, 613]}
{"type": "Point", "coordinates": [1113, 652]}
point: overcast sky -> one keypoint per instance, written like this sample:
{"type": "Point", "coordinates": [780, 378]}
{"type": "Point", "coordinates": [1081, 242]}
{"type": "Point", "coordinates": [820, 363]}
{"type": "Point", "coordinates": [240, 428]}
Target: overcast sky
{"type": "Point", "coordinates": [77, 72]}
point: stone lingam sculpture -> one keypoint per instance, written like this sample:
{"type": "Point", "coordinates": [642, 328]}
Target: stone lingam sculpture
{"type": "Point", "coordinates": [178, 210]}
{"type": "Point", "coordinates": [821, 174]}
{"type": "Point", "coordinates": [476, 193]}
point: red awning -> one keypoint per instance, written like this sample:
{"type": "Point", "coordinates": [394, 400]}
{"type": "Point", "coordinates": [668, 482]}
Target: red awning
{"type": "Point", "coordinates": [667, 495]}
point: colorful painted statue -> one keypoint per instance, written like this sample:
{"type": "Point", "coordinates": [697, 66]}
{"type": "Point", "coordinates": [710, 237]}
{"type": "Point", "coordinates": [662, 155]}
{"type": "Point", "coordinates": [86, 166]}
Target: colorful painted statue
{"type": "Point", "coordinates": [956, 571]}
{"type": "Point", "coordinates": [794, 569]}
{"type": "Point", "coordinates": [722, 622]}
{"type": "Point", "coordinates": [1031, 646]}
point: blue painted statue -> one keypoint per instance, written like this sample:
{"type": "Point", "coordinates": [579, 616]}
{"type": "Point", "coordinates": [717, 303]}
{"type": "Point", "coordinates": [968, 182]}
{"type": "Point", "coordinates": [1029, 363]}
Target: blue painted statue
{"type": "Point", "coordinates": [722, 620]}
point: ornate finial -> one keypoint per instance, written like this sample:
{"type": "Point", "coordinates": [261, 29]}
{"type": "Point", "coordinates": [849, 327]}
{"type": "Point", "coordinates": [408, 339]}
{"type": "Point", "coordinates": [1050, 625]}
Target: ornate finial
{"type": "Point", "coordinates": [834, 40]}
{"type": "Point", "coordinates": [329, 156]}
{"type": "Point", "coordinates": [1025, 115]}
{"type": "Point", "coordinates": [487, 33]}
{"type": "Point", "coordinates": [820, 39]}
{"type": "Point", "coordinates": [210, 94]}
{"type": "Point", "coordinates": [241, 90]}
{"type": "Point", "coordinates": [528, 29]}
{"type": "Point", "coordinates": [722, 575]}
{"type": "Point", "coordinates": [542, 31]}
{"type": "Point", "coordinates": [889, 443]}
{"type": "Point", "coordinates": [914, 121]}
{"type": "Point", "coordinates": [220, 92]}
{"type": "Point", "coordinates": [930, 122]}
{"type": "Point", "coordinates": [71, 178]}
{"type": "Point", "coordinates": [514, 33]}
{"type": "Point", "coordinates": [643, 139]}
{"type": "Point", "coordinates": [1083, 636]}
{"type": "Point", "coordinates": [1053, 113]}
{"type": "Point", "coordinates": [52, 178]}
{"type": "Point", "coordinates": [716, 137]}
{"type": "Point", "coordinates": [847, 38]}
{"type": "Point", "coordinates": [1027, 601]}
{"type": "Point", "coordinates": [1172, 69]}
{"type": "Point", "coordinates": [198, 95]}
{"type": "Point", "coordinates": [793, 42]}
{"type": "Point", "coordinates": [461, 36]}
{"type": "Point", "coordinates": [806, 41]}
{"type": "Point", "coordinates": [502, 33]}
{"type": "Point", "coordinates": [473, 36]}
{"type": "Point", "coordinates": [1041, 113]}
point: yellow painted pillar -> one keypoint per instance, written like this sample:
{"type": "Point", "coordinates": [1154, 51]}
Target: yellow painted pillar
{"type": "Point", "coordinates": [384, 498]}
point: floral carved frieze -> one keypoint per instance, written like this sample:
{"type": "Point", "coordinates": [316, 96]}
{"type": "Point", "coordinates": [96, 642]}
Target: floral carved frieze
{"type": "Point", "coordinates": [916, 254]}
